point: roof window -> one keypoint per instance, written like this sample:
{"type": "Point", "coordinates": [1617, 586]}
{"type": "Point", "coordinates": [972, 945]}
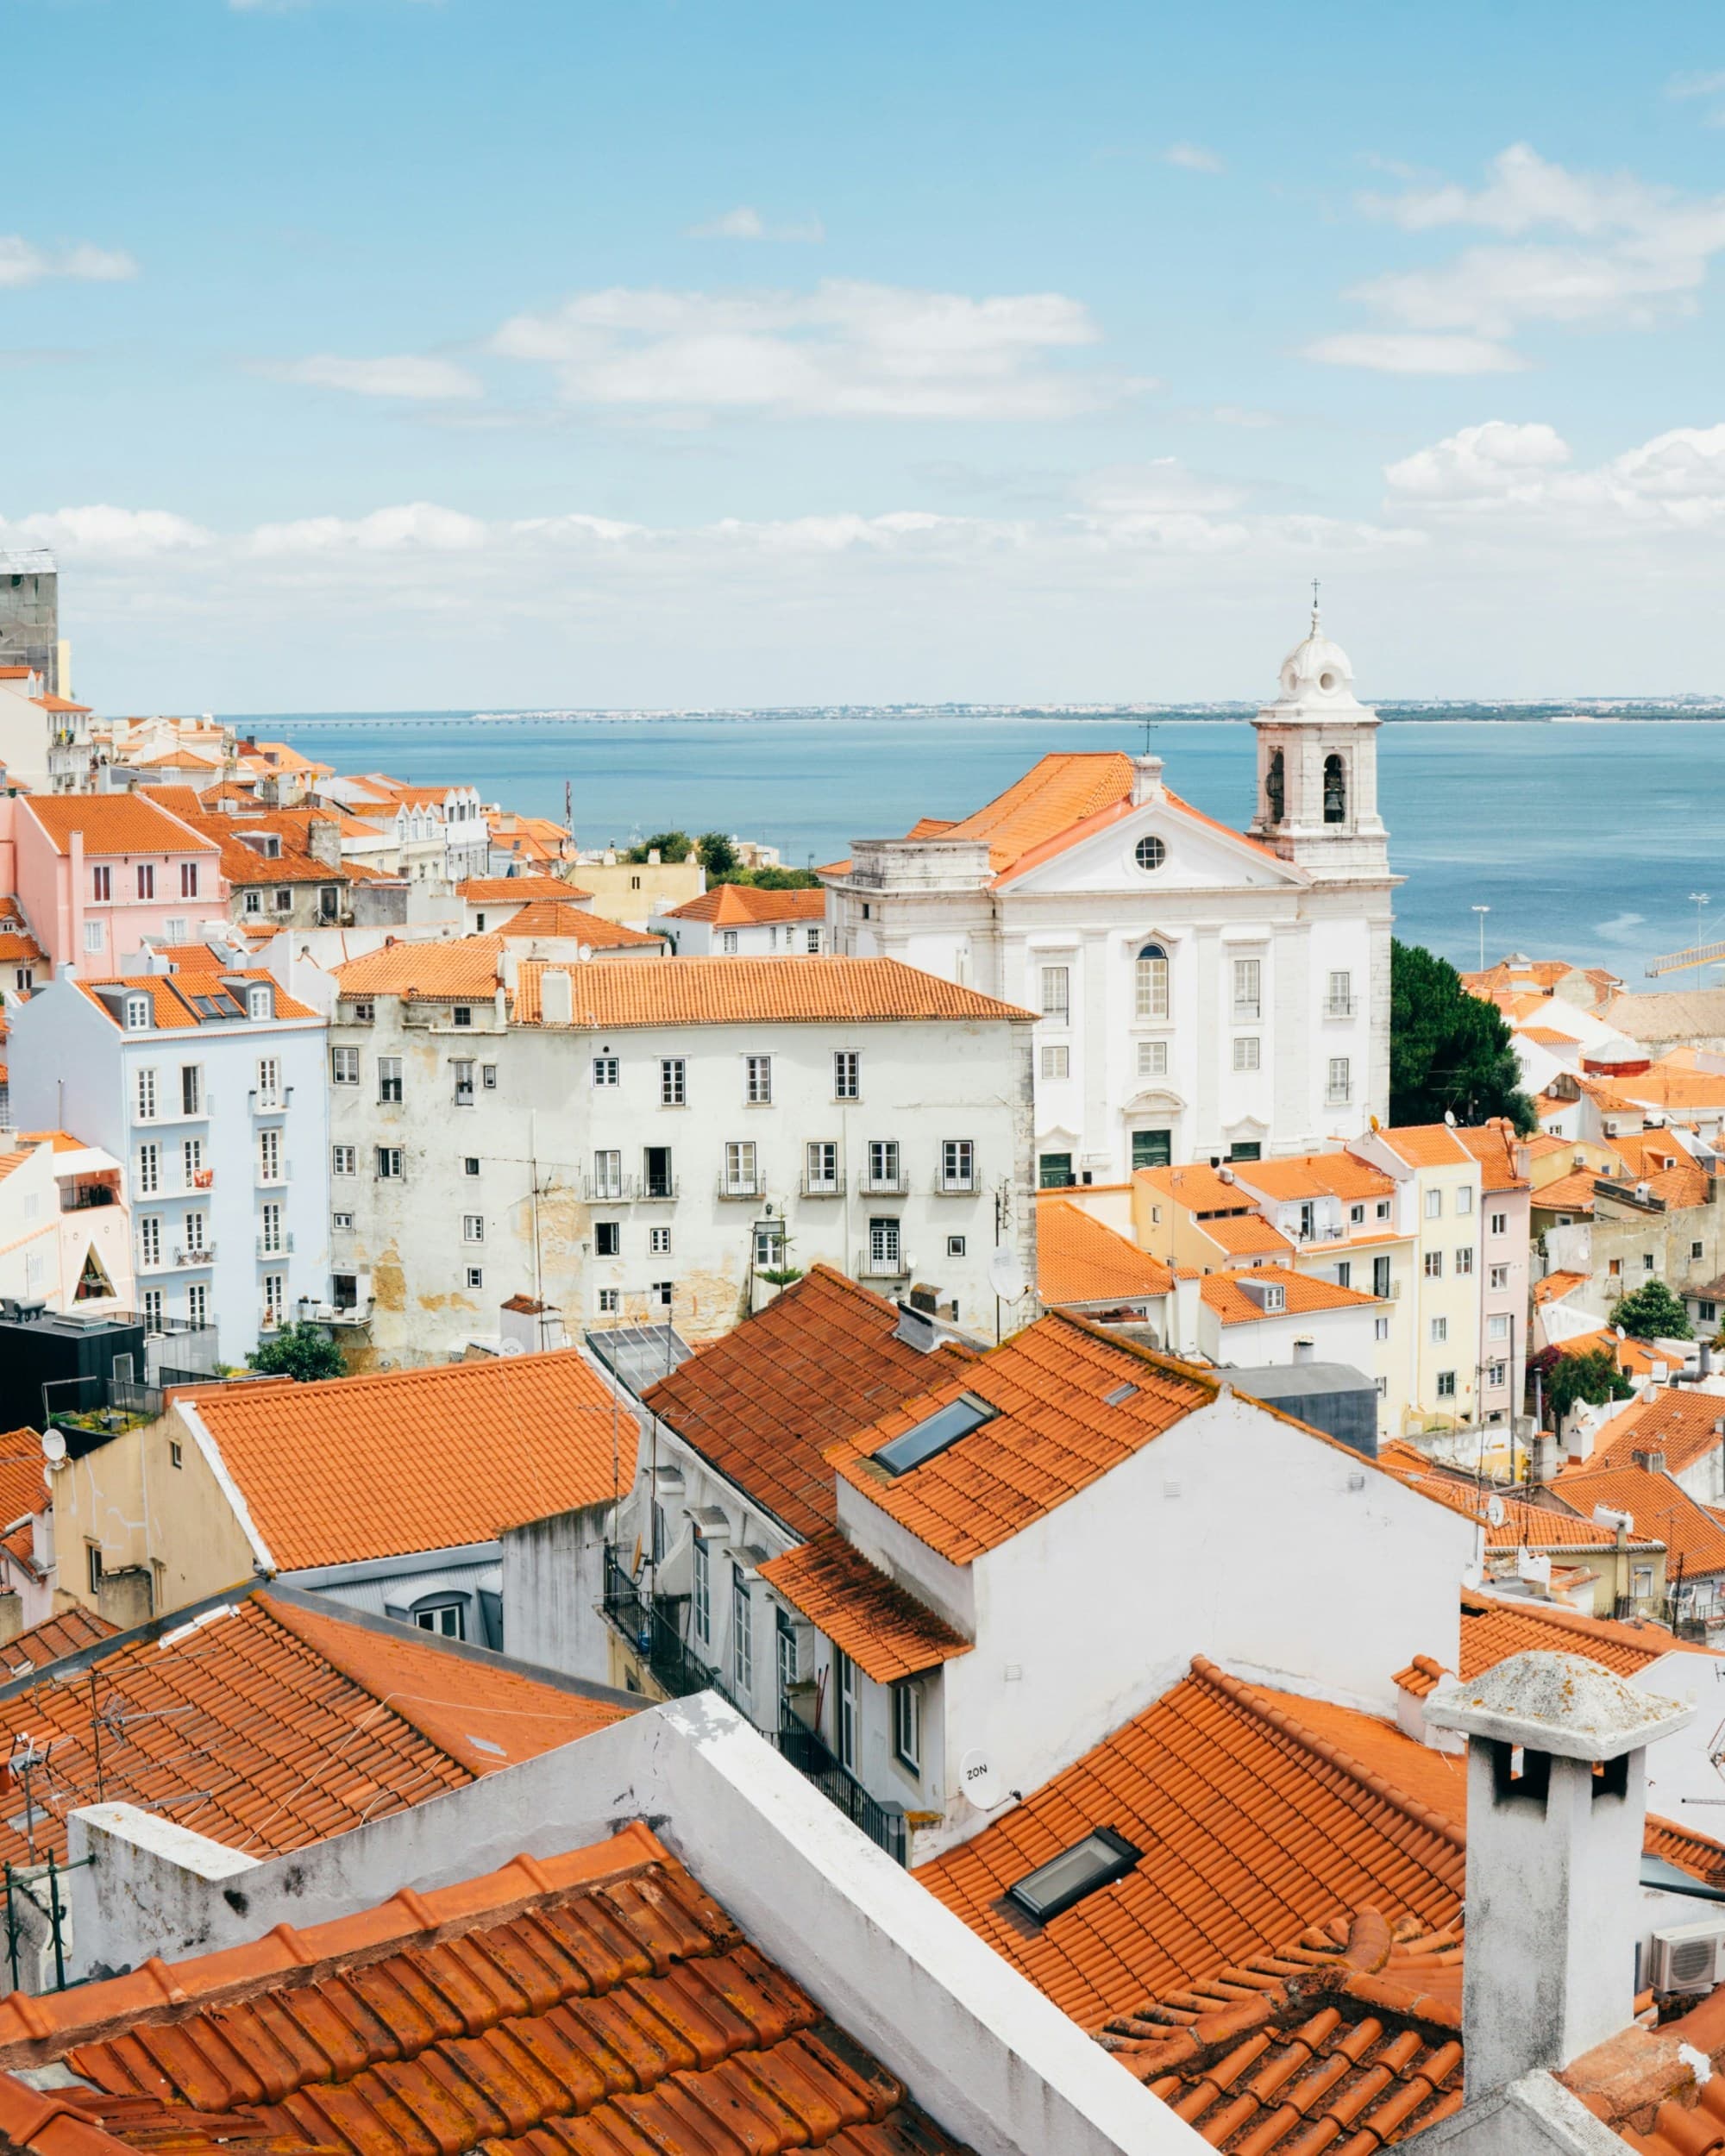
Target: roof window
{"type": "Point", "coordinates": [1120, 1396]}
{"type": "Point", "coordinates": [944, 1428]}
{"type": "Point", "coordinates": [1101, 1857]}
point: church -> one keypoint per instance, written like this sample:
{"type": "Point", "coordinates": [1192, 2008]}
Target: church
{"type": "Point", "coordinates": [1202, 993]}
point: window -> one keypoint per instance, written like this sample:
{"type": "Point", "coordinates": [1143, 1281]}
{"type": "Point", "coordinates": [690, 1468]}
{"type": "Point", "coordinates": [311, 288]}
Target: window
{"type": "Point", "coordinates": [137, 1014]}
{"type": "Point", "coordinates": [389, 1077]}
{"type": "Point", "coordinates": [1380, 1278]}
{"type": "Point", "coordinates": [1434, 1204]}
{"type": "Point", "coordinates": [1613, 1268]}
{"type": "Point", "coordinates": [957, 1164]}
{"type": "Point", "coordinates": [1696, 1249]}
{"type": "Point", "coordinates": [820, 1166]}
{"type": "Point", "coordinates": [275, 1300]}
{"type": "Point", "coordinates": [464, 1082]}
{"type": "Point", "coordinates": [1380, 1328]}
{"type": "Point", "coordinates": [1275, 787]}
{"type": "Point", "coordinates": [1440, 1330]}
{"type": "Point", "coordinates": [472, 1227]}
{"type": "Point", "coordinates": [1338, 997]}
{"type": "Point", "coordinates": [271, 1242]}
{"type": "Point", "coordinates": [154, 1315]}
{"type": "Point", "coordinates": [175, 1456]}
{"type": "Point", "coordinates": [1246, 1148]}
{"type": "Point", "coordinates": [955, 1246]}
{"type": "Point", "coordinates": [1497, 1376]}
{"type": "Point", "coordinates": [1446, 1384]}
{"type": "Point", "coordinates": [147, 880]}
{"type": "Point", "coordinates": [1152, 1059]}
{"type": "Point", "coordinates": [1435, 1264]}
{"type": "Point", "coordinates": [727, 943]}
{"type": "Point", "coordinates": [1151, 1148]}
{"type": "Point", "coordinates": [883, 1164]}
{"type": "Point", "coordinates": [1149, 853]}
{"type": "Point", "coordinates": [1465, 1260]}
{"type": "Point", "coordinates": [254, 902]}
{"type": "Point", "coordinates": [883, 1246]}
{"type": "Point", "coordinates": [269, 1156]}
{"type": "Point", "coordinates": [101, 884]}
{"type": "Point", "coordinates": [461, 1014]}
{"type": "Point", "coordinates": [95, 936]}
{"type": "Point", "coordinates": [443, 1618]}
{"type": "Point", "coordinates": [149, 1240]}
{"type": "Point", "coordinates": [1465, 1198]}
{"type": "Point", "coordinates": [608, 1175]}
{"type": "Point", "coordinates": [758, 1079]}
{"type": "Point", "coordinates": [658, 1241]}
{"type": "Point", "coordinates": [784, 1638]}
{"type": "Point", "coordinates": [284, 901]}
{"type": "Point", "coordinates": [93, 1565]}
{"type": "Point", "coordinates": [1335, 790]}
{"type": "Point", "coordinates": [1054, 1171]}
{"type": "Point", "coordinates": [742, 1634]}
{"type": "Point", "coordinates": [1345, 1274]}
{"type": "Point", "coordinates": [1707, 1312]}
{"type": "Point", "coordinates": [191, 1088]}
{"type": "Point", "coordinates": [1248, 977]}
{"type": "Point", "coordinates": [607, 1238]}
{"type": "Point", "coordinates": [1149, 983]}
{"type": "Point", "coordinates": [1383, 1387]}
{"type": "Point", "coordinates": [344, 1160]}
{"type": "Point", "coordinates": [770, 1246]}
{"type": "Point", "coordinates": [188, 879]}
{"type": "Point", "coordinates": [673, 1081]}
{"type": "Point", "coordinates": [1383, 1208]}
{"type": "Point", "coordinates": [342, 1222]}
{"type": "Point", "coordinates": [703, 1594]}
{"type": "Point", "coordinates": [604, 1071]}
{"type": "Point", "coordinates": [847, 1075]}
{"type": "Point", "coordinates": [269, 1082]}
{"type": "Point", "coordinates": [848, 1724]}
{"type": "Point", "coordinates": [175, 928]}
{"type": "Point", "coordinates": [365, 1012]}
{"type": "Point", "coordinates": [149, 1170]}
{"type": "Point", "coordinates": [610, 1300]}
{"type": "Point", "coordinates": [739, 1167]}
{"type": "Point", "coordinates": [389, 1163]}
{"type": "Point", "coordinates": [813, 940]}
{"type": "Point", "coordinates": [1500, 1223]}
{"type": "Point", "coordinates": [470, 1163]}
{"type": "Point", "coordinates": [1647, 1262]}
{"type": "Point", "coordinates": [1057, 993]}
{"type": "Point", "coordinates": [907, 1726]}
{"type": "Point", "coordinates": [1057, 1060]}
{"type": "Point", "coordinates": [1245, 1052]}
{"type": "Point", "coordinates": [1275, 1296]}
{"type": "Point", "coordinates": [1641, 1580]}
{"type": "Point", "coordinates": [1497, 1277]}
{"type": "Point", "coordinates": [656, 1161]}
{"type": "Point", "coordinates": [488, 1077]}
{"type": "Point", "coordinates": [191, 1164]}
{"type": "Point", "coordinates": [1096, 1861]}
{"type": "Point", "coordinates": [1340, 1085]}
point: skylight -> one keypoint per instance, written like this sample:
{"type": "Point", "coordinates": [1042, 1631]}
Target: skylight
{"type": "Point", "coordinates": [944, 1428]}
{"type": "Point", "coordinates": [1101, 1857]}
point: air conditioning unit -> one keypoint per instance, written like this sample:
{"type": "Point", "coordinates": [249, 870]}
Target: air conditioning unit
{"type": "Point", "coordinates": [1689, 1957]}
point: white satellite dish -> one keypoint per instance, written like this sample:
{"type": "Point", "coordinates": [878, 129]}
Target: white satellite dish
{"type": "Point", "coordinates": [1494, 1513]}
{"type": "Point", "coordinates": [1006, 1275]}
{"type": "Point", "coordinates": [509, 1347]}
{"type": "Point", "coordinates": [53, 1447]}
{"type": "Point", "coordinates": [979, 1781]}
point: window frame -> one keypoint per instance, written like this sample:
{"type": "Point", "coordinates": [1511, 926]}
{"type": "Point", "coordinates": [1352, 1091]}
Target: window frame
{"type": "Point", "coordinates": [907, 1726]}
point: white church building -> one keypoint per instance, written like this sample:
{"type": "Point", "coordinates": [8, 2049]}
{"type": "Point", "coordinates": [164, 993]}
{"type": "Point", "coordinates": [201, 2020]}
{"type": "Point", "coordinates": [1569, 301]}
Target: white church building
{"type": "Point", "coordinates": [1202, 993]}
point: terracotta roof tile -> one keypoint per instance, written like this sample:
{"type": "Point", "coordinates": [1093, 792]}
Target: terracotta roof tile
{"type": "Point", "coordinates": [546, 917]}
{"type": "Point", "coordinates": [883, 1627]}
{"type": "Point", "coordinates": [510, 890]}
{"type": "Point", "coordinates": [744, 904]}
{"type": "Point", "coordinates": [1081, 1259]}
{"type": "Point", "coordinates": [23, 1476]}
{"type": "Point", "coordinates": [1427, 1145]}
{"type": "Point", "coordinates": [112, 824]}
{"type": "Point", "coordinates": [1336, 1174]}
{"type": "Point", "coordinates": [1566, 1193]}
{"type": "Point", "coordinates": [19, 947]}
{"type": "Point", "coordinates": [764, 1402]}
{"type": "Point", "coordinates": [752, 991]}
{"type": "Point", "coordinates": [463, 1449]}
{"type": "Point", "coordinates": [1198, 1187]}
{"type": "Point", "coordinates": [171, 994]}
{"type": "Point", "coordinates": [1303, 1293]}
{"type": "Point", "coordinates": [1054, 1432]}
{"type": "Point", "coordinates": [1524, 1526]}
{"type": "Point", "coordinates": [1493, 1145]}
{"type": "Point", "coordinates": [1693, 1536]}
{"type": "Point", "coordinates": [61, 1634]}
{"type": "Point", "coordinates": [1556, 1286]}
{"type": "Point", "coordinates": [268, 1726]}
{"type": "Point", "coordinates": [463, 970]}
{"type": "Point", "coordinates": [1682, 1425]}
{"type": "Point", "coordinates": [592, 2002]}
{"type": "Point", "coordinates": [1055, 793]}
{"type": "Point", "coordinates": [1492, 1630]}
{"type": "Point", "coordinates": [1245, 1235]}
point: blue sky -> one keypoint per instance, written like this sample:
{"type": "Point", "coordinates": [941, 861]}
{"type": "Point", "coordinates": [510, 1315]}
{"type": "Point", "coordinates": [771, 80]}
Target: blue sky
{"type": "Point", "coordinates": [394, 352]}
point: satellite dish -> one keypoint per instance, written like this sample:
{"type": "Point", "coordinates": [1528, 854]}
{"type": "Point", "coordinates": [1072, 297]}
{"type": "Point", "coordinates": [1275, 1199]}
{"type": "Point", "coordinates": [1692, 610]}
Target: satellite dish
{"type": "Point", "coordinates": [979, 1781]}
{"type": "Point", "coordinates": [1494, 1513]}
{"type": "Point", "coordinates": [1006, 1275]}
{"type": "Point", "coordinates": [584, 952]}
{"type": "Point", "coordinates": [509, 1347]}
{"type": "Point", "coordinates": [53, 1447]}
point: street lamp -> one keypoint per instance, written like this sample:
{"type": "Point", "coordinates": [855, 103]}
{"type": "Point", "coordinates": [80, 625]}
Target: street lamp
{"type": "Point", "coordinates": [1698, 899]}
{"type": "Point", "coordinates": [1482, 911]}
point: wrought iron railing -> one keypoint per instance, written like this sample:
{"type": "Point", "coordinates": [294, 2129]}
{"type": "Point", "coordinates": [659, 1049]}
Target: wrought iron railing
{"type": "Point", "coordinates": [812, 1758]}
{"type": "Point", "coordinates": [653, 1626]}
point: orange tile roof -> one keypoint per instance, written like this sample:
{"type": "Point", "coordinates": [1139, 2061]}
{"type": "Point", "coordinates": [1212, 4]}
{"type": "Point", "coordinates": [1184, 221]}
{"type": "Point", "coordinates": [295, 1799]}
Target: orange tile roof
{"type": "Point", "coordinates": [1547, 1038]}
{"type": "Point", "coordinates": [1524, 1526]}
{"type": "Point", "coordinates": [1493, 1629]}
{"type": "Point", "coordinates": [548, 917]}
{"type": "Point", "coordinates": [594, 2001]}
{"type": "Point", "coordinates": [64, 1633]}
{"type": "Point", "coordinates": [18, 947]}
{"type": "Point", "coordinates": [1670, 1084]}
{"type": "Point", "coordinates": [742, 905]}
{"type": "Point", "coordinates": [763, 1401]}
{"type": "Point", "coordinates": [245, 864]}
{"type": "Point", "coordinates": [758, 991]}
{"type": "Point", "coordinates": [1493, 1145]}
{"type": "Point", "coordinates": [112, 824]}
{"type": "Point", "coordinates": [1247, 1235]}
{"type": "Point", "coordinates": [1556, 1286]}
{"type": "Point", "coordinates": [1198, 1187]}
{"type": "Point", "coordinates": [1053, 1436]}
{"type": "Point", "coordinates": [1427, 1145]}
{"type": "Point", "coordinates": [1055, 793]}
{"type": "Point", "coordinates": [269, 1726]}
{"type": "Point", "coordinates": [1633, 1357]}
{"type": "Point", "coordinates": [23, 1471]}
{"type": "Point", "coordinates": [1081, 1259]}
{"type": "Point", "coordinates": [1684, 1425]}
{"type": "Point", "coordinates": [1568, 1194]}
{"type": "Point", "coordinates": [883, 1627]}
{"type": "Point", "coordinates": [1316, 1175]}
{"type": "Point", "coordinates": [1350, 2036]}
{"type": "Point", "coordinates": [1303, 1294]}
{"type": "Point", "coordinates": [464, 1450]}
{"type": "Point", "coordinates": [463, 970]}
{"type": "Point", "coordinates": [506, 890]}
{"type": "Point", "coordinates": [170, 993]}
{"type": "Point", "coordinates": [1659, 1506]}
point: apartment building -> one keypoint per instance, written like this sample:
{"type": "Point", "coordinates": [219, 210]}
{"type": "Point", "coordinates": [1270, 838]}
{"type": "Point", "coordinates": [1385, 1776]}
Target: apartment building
{"type": "Point", "coordinates": [658, 1140]}
{"type": "Point", "coordinates": [431, 832]}
{"type": "Point", "coordinates": [65, 1236]}
{"type": "Point", "coordinates": [735, 920]}
{"type": "Point", "coordinates": [101, 875]}
{"type": "Point", "coordinates": [210, 1088]}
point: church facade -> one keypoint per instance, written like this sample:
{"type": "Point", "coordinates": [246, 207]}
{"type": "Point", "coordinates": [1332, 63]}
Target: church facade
{"type": "Point", "coordinates": [1202, 993]}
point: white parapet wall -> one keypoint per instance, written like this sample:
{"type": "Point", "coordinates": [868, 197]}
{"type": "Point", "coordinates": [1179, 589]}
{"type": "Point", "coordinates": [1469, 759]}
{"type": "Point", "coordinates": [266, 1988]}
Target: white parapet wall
{"type": "Point", "coordinates": [993, 2061]}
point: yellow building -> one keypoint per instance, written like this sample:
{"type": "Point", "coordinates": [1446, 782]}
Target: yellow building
{"type": "Point", "coordinates": [632, 891]}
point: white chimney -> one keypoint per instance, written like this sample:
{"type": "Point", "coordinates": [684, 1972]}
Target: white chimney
{"type": "Point", "coordinates": [556, 997]}
{"type": "Point", "coordinates": [1553, 1856]}
{"type": "Point", "coordinates": [1185, 1301]}
{"type": "Point", "coordinates": [1305, 1350]}
{"type": "Point", "coordinates": [1146, 780]}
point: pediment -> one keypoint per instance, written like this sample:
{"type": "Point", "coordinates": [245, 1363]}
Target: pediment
{"type": "Point", "coordinates": [1197, 854]}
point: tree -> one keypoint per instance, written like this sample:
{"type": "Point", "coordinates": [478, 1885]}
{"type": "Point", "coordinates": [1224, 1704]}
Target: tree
{"type": "Point", "coordinates": [770, 879]}
{"type": "Point", "coordinates": [303, 1352]}
{"type": "Point", "coordinates": [669, 845]}
{"type": "Point", "coordinates": [1593, 1377]}
{"type": "Point", "coordinates": [1652, 1312]}
{"type": "Point", "coordinates": [717, 854]}
{"type": "Point", "coordinates": [1448, 1050]}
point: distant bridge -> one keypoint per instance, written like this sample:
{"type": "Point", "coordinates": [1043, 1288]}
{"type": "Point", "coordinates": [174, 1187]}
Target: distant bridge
{"type": "Point", "coordinates": [1681, 961]}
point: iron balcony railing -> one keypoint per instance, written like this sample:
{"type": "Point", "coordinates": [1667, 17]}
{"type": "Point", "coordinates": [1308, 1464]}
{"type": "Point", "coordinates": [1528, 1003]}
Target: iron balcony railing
{"type": "Point", "coordinates": [1338, 1007]}
{"type": "Point", "coordinates": [880, 1266]}
{"type": "Point", "coordinates": [823, 1186]}
{"type": "Point", "coordinates": [652, 1625]}
{"type": "Point", "coordinates": [895, 1184]}
{"type": "Point", "coordinates": [199, 1254]}
{"type": "Point", "coordinates": [749, 1186]}
{"type": "Point", "coordinates": [884, 1824]}
{"type": "Point", "coordinates": [280, 1245]}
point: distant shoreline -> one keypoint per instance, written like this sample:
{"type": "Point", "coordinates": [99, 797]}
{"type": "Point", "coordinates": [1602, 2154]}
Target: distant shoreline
{"type": "Point", "coordinates": [1707, 713]}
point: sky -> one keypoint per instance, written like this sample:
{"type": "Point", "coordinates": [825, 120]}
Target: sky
{"type": "Point", "coordinates": [385, 355]}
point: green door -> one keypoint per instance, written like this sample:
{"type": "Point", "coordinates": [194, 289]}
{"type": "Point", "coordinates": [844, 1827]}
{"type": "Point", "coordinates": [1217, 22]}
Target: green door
{"type": "Point", "coordinates": [1152, 1149]}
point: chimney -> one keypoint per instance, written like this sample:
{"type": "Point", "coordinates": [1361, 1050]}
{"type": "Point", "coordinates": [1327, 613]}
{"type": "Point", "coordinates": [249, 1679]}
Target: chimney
{"type": "Point", "coordinates": [1653, 1462]}
{"type": "Point", "coordinates": [1146, 780]}
{"type": "Point", "coordinates": [1304, 1351]}
{"type": "Point", "coordinates": [1553, 1858]}
{"type": "Point", "coordinates": [556, 997]}
{"type": "Point", "coordinates": [1186, 1297]}
{"type": "Point", "coordinates": [324, 840]}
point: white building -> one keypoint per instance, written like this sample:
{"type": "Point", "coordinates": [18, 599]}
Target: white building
{"type": "Point", "coordinates": [649, 1140]}
{"type": "Point", "coordinates": [1202, 992]}
{"type": "Point", "coordinates": [210, 1088]}
{"type": "Point", "coordinates": [64, 1228]}
{"type": "Point", "coordinates": [735, 920]}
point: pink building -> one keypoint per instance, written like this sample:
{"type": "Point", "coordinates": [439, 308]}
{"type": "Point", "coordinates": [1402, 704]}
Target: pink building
{"type": "Point", "coordinates": [97, 872]}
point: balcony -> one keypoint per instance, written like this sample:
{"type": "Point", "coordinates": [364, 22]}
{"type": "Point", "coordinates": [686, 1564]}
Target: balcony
{"type": "Point", "coordinates": [742, 1187]}
{"type": "Point", "coordinates": [823, 1186]}
{"type": "Point", "coordinates": [652, 1627]}
{"type": "Point", "coordinates": [273, 1103]}
{"type": "Point", "coordinates": [1338, 1007]}
{"type": "Point", "coordinates": [895, 1185]}
{"type": "Point", "coordinates": [659, 1190]}
{"type": "Point", "coordinates": [884, 1824]}
{"type": "Point", "coordinates": [884, 1266]}
{"type": "Point", "coordinates": [76, 1197]}
{"type": "Point", "coordinates": [202, 1253]}
{"type": "Point", "coordinates": [957, 1187]}
{"type": "Point", "coordinates": [278, 1245]}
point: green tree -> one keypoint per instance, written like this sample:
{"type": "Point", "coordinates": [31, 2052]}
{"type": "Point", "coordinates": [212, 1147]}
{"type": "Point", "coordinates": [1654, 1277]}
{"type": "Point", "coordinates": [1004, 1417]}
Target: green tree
{"type": "Point", "coordinates": [1448, 1050]}
{"type": "Point", "coordinates": [669, 845]}
{"type": "Point", "coordinates": [1593, 1377]}
{"type": "Point", "coordinates": [1652, 1312]}
{"type": "Point", "coordinates": [717, 854]}
{"type": "Point", "coordinates": [303, 1352]}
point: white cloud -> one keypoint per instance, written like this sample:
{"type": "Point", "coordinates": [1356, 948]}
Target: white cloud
{"type": "Point", "coordinates": [847, 350]}
{"type": "Point", "coordinates": [745, 223]}
{"type": "Point", "coordinates": [405, 375]}
{"type": "Point", "coordinates": [23, 263]}
{"type": "Point", "coordinates": [1192, 157]}
{"type": "Point", "coordinates": [101, 531]}
{"type": "Point", "coordinates": [1389, 352]}
{"type": "Point", "coordinates": [1674, 483]}
{"type": "Point", "coordinates": [414, 527]}
{"type": "Point", "coordinates": [1489, 461]}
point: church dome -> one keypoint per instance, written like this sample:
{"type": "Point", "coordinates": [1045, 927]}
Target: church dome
{"type": "Point", "coordinates": [1317, 670]}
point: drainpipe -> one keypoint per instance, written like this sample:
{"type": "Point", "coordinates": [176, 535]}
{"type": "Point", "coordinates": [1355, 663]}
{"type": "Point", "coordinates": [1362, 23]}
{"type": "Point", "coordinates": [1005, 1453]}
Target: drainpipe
{"type": "Point", "coordinates": [75, 897]}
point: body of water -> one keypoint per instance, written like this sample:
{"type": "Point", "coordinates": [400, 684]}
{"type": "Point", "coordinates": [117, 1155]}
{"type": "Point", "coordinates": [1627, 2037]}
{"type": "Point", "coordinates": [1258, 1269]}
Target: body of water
{"type": "Point", "coordinates": [1584, 840]}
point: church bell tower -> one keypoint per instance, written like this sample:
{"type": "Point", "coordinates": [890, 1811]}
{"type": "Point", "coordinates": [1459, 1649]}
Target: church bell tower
{"type": "Point", "coordinates": [1317, 768]}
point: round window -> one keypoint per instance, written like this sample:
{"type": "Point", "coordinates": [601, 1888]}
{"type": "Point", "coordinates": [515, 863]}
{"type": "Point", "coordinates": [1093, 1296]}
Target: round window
{"type": "Point", "coordinates": [1149, 853]}
{"type": "Point", "coordinates": [1327, 682]}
